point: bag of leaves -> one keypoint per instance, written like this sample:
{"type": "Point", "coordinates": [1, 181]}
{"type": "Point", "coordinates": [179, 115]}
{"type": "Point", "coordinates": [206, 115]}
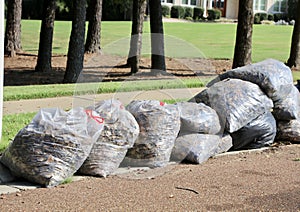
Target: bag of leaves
{"type": "Point", "coordinates": [159, 126]}
{"type": "Point", "coordinates": [288, 130]}
{"type": "Point", "coordinates": [272, 76]}
{"type": "Point", "coordinates": [119, 133]}
{"type": "Point", "coordinates": [237, 102]}
{"type": "Point", "coordinates": [5, 176]}
{"type": "Point", "coordinates": [198, 118]}
{"type": "Point", "coordinates": [288, 108]}
{"type": "Point", "coordinates": [225, 144]}
{"type": "Point", "coordinates": [260, 132]}
{"type": "Point", "coordinates": [53, 146]}
{"type": "Point", "coordinates": [195, 148]}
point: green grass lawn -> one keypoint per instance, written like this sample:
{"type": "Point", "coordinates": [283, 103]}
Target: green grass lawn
{"type": "Point", "coordinates": [55, 90]}
{"type": "Point", "coordinates": [11, 125]}
{"type": "Point", "coordinates": [211, 40]}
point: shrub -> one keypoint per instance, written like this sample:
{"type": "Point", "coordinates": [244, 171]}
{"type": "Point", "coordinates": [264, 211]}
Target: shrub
{"type": "Point", "coordinates": [165, 10]}
{"type": "Point", "coordinates": [188, 12]}
{"type": "Point", "coordinates": [263, 16]}
{"type": "Point", "coordinates": [198, 13]}
{"type": "Point", "coordinates": [189, 18]}
{"type": "Point", "coordinates": [177, 12]}
{"type": "Point", "coordinates": [213, 14]}
{"type": "Point", "coordinates": [270, 17]}
{"type": "Point", "coordinates": [280, 16]}
{"type": "Point", "coordinates": [259, 17]}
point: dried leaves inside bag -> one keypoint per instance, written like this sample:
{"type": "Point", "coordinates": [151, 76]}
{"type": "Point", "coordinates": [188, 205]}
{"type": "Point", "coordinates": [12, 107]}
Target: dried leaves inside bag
{"type": "Point", "coordinates": [119, 133]}
{"type": "Point", "coordinates": [53, 146]}
{"type": "Point", "coordinates": [159, 125]}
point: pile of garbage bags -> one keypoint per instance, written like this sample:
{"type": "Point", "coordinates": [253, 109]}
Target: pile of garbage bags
{"type": "Point", "coordinates": [247, 107]}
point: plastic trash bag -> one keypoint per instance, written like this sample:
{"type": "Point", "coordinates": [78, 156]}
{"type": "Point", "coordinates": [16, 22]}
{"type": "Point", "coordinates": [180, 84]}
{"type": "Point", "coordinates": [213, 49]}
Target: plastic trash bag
{"type": "Point", "coordinates": [198, 118]}
{"type": "Point", "coordinates": [53, 146]}
{"type": "Point", "coordinates": [159, 126]}
{"type": "Point", "coordinates": [5, 176]}
{"type": "Point", "coordinates": [237, 102]}
{"type": "Point", "coordinates": [225, 144]}
{"type": "Point", "coordinates": [195, 148]}
{"type": "Point", "coordinates": [272, 76]}
{"type": "Point", "coordinates": [260, 132]}
{"type": "Point", "coordinates": [119, 133]}
{"type": "Point", "coordinates": [288, 130]}
{"type": "Point", "coordinates": [288, 108]}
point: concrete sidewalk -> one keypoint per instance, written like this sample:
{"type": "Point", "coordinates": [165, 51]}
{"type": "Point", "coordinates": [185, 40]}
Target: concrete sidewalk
{"type": "Point", "coordinates": [34, 105]}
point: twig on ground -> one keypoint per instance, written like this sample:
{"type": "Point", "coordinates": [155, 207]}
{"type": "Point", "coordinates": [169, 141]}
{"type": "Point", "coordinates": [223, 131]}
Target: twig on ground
{"type": "Point", "coordinates": [187, 189]}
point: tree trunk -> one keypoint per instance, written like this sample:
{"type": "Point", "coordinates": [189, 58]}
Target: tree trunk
{"type": "Point", "coordinates": [243, 44]}
{"type": "Point", "coordinates": [76, 43]}
{"type": "Point", "coordinates": [157, 36]}
{"type": "Point", "coordinates": [92, 44]}
{"type": "Point", "coordinates": [12, 41]}
{"type": "Point", "coordinates": [294, 58]}
{"type": "Point", "coordinates": [138, 12]}
{"type": "Point", "coordinates": [46, 37]}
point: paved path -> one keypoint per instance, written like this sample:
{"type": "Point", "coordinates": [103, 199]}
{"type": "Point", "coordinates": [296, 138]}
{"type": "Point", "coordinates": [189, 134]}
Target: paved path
{"type": "Point", "coordinates": [34, 105]}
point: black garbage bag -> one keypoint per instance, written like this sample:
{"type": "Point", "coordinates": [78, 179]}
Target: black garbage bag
{"type": "Point", "coordinates": [260, 132]}
{"type": "Point", "coordinates": [237, 102]}
{"type": "Point", "coordinates": [198, 118]}
{"type": "Point", "coordinates": [53, 146]}
{"type": "Point", "coordinates": [195, 148]}
{"type": "Point", "coordinates": [159, 126]}
{"type": "Point", "coordinates": [288, 131]}
{"type": "Point", "coordinates": [288, 108]}
{"type": "Point", "coordinates": [272, 76]}
{"type": "Point", "coordinates": [118, 135]}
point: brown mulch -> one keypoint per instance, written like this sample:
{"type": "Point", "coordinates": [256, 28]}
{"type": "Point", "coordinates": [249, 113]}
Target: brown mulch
{"type": "Point", "coordinates": [20, 70]}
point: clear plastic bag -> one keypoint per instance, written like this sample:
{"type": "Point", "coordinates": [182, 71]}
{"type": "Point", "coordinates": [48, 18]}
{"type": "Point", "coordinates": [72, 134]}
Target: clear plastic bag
{"type": "Point", "coordinates": [119, 133]}
{"type": "Point", "coordinates": [288, 130]}
{"type": "Point", "coordinates": [198, 118]}
{"type": "Point", "coordinates": [237, 102]}
{"type": "Point", "coordinates": [53, 146]}
{"type": "Point", "coordinates": [159, 126]}
{"type": "Point", "coordinates": [288, 108]}
{"type": "Point", "coordinates": [272, 76]}
{"type": "Point", "coordinates": [225, 144]}
{"type": "Point", "coordinates": [195, 148]}
{"type": "Point", "coordinates": [260, 132]}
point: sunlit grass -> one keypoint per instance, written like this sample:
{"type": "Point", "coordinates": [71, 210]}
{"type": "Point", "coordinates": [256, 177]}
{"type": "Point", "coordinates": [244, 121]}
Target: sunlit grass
{"type": "Point", "coordinates": [214, 40]}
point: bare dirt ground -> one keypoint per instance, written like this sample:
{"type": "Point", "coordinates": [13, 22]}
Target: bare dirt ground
{"type": "Point", "coordinates": [20, 70]}
{"type": "Point", "coordinates": [256, 181]}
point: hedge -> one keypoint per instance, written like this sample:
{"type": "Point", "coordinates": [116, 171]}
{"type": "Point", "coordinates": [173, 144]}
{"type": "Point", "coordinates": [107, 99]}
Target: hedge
{"type": "Point", "coordinates": [177, 12]}
{"type": "Point", "coordinates": [213, 14]}
{"type": "Point", "coordinates": [188, 12]}
{"type": "Point", "coordinates": [166, 11]}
